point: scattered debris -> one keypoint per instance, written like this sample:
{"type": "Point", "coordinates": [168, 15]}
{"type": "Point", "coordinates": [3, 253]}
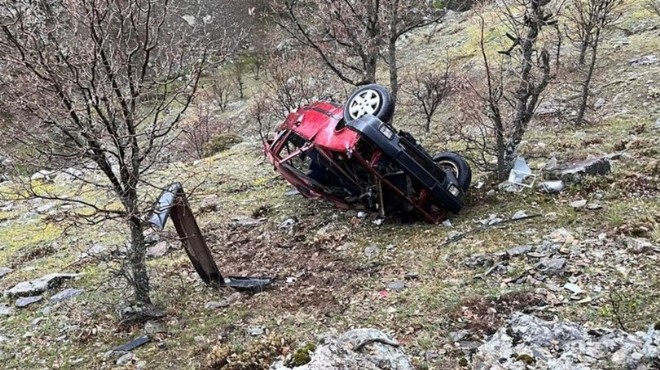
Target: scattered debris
{"type": "Point", "coordinates": [521, 174]}
{"type": "Point", "coordinates": [551, 187]}
{"type": "Point", "coordinates": [458, 237]}
{"type": "Point", "coordinates": [137, 342]}
{"type": "Point", "coordinates": [367, 349]}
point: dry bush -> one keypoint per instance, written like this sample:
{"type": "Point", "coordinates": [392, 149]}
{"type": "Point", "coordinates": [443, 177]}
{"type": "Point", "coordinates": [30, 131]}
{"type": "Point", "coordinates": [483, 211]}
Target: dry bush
{"type": "Point", "coordinates": [426, 90]}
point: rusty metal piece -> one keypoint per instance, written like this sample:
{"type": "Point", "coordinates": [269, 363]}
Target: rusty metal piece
{"type": "Point", "coordinates": [174, 203]}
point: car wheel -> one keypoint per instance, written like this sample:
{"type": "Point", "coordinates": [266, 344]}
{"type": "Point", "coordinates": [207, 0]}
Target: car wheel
{"type": "Point", "coordinates": [371, 99]}
{"type": "Point", "coordinates": [457, 165]}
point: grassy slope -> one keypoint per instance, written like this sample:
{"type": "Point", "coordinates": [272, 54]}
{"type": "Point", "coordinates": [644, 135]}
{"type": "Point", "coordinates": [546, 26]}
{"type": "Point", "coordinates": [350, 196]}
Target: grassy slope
{"type": "Point", "coordinates": [337, 286]}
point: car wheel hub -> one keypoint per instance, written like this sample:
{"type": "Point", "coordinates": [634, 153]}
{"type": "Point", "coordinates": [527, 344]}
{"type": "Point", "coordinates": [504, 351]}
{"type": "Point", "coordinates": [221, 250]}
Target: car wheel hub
{"type": "Point", "coordinates": [365, 103]}
{"type": "Point", "coordinates": [449, 166]}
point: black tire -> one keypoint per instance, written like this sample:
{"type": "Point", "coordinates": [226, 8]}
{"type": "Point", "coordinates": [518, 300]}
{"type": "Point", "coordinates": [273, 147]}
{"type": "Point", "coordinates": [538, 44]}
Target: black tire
{"type": "Point", "coordinates": [363, 101]}
{"type": "Point", "coordinates": [457, 165]}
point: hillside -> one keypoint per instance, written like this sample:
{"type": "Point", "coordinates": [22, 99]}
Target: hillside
{"type": "Point", "coordinates": [441, 294]}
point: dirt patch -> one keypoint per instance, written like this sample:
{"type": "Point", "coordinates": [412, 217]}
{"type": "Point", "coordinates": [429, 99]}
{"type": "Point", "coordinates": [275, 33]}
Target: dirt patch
{"type": "Point", "coordinates": [309, 272]}
{"type": "Point", "coordinates": [484, 315]}
{"type": "Point", "coordinates": [33, 254]}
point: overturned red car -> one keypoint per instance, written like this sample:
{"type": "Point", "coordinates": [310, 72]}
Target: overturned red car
{"type": "Point", "coordinates": [352, 156]}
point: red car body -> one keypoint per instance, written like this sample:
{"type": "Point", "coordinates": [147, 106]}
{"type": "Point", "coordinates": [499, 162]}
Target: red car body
{"type": "Point", "coordinates": [351, 165]}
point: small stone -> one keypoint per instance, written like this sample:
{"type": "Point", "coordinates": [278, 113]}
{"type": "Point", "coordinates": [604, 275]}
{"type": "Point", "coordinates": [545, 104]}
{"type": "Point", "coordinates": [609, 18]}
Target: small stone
{"type": "Point", "coordinates": [158, 250]}
{"type": "Point", "coordinates": [593, 206]}
{"type": "Point", "coordinates": [490, 193]}
{"type": "Point", "coordinates": [551, 165]}
{"type": "Point", "coordinates": [553, 264]}
{"type": "Point", "coordinates": [657, 124]}
{"type": "Point", "coordinates": [396, 285]}
{"type": "Point", "coordinates": [361, 214]}
{"type": "Point", "coordinates": [573, 288]}
{"type": "Point", "coordinates": [599, 103]}
{"type": "Point", "coordinates": [26, 301]}
{"type": "Point", "coordinates": [125, 359]}
{"type": "Point", "coordinates": [519, 215]}
{"type": "Point", "coordinates": [6, 310]}
{"type": "Point", "coordinates": [4, 271]}
{"type": "Point", "coordinates": [209, 204]}
{"type": "Point", "coordinates": [458, 335]}
{"type": "Point", "coordinates": [446, 223]}
{"type": "Point", "coordinates": [153, 327]}
{"type": "Point", "coordinates": [287, 224]}
{"type": "Point", "coordinates": [574, 172]}
{"type": "Point", "coordinates": [578, 204]}
{"type": "Point", "coordinates": [521, 249]}
{"type": "Point", "coordinates": [66, 294]}
{"type": "Point", "coordinates": [214, 305]}
{"type": "Point", "coordinates": [371, 251]}
{"type": "Point", "coordinates": [255, 330]}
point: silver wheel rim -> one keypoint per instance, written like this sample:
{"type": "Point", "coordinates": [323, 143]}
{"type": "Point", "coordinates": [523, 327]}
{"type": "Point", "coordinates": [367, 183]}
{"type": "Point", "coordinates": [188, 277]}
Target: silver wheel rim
{"type": "Point", "coordinates": [449, 165]}
{"type": "Point", "coordinates": [366, 102]}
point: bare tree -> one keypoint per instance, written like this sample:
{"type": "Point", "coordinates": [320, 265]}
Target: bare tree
{"type": "Point", "coordinates": [428, 89]}
{"type": "Point", "coordinates": [350, 36]}
{"type": "Point", "coordinates": [100, 84]}
{"type": "Point", "coordinates": [403, 17]}
{"type": "Point", "coordinates": [220, 89]}
{"type": "Point", "coordinates": [293, 80]}
{"type": "Point", "coordinates": [587, 20]}
{"type": "Point", "coordinates": [511, 89]}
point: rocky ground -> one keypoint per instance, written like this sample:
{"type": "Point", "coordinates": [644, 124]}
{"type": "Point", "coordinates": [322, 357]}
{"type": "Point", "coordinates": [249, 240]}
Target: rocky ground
{"type": "Point", "coordinates": [519, 279]}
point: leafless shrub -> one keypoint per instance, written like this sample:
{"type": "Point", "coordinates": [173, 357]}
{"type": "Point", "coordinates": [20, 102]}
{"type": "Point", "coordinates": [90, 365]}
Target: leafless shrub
{"type": "Point", "coordinates": [586, 23]}
{"type": "Point", "coordinates": [221, 92]}
{"type": "Point", "coordinates": [427, 90]}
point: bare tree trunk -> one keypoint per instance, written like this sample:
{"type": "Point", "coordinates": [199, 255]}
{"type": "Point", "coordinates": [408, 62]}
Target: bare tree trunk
{"type": "Point", "coordinates": [583, 52]}
{"type": "Point", "coordinates": [587, 82]}
{"type": "Point", "coordinates": [137, 255]}
{"type": "Point", "coordinates": [394, 72]}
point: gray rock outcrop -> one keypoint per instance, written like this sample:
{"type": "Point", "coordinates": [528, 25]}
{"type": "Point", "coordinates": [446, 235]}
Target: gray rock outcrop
{"type": "Point", "coordinates": [38, 286]}
{"type": "Point", "coordinates": [527, 341]}
{"type": "Point", "coordinates": [366, 349]}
